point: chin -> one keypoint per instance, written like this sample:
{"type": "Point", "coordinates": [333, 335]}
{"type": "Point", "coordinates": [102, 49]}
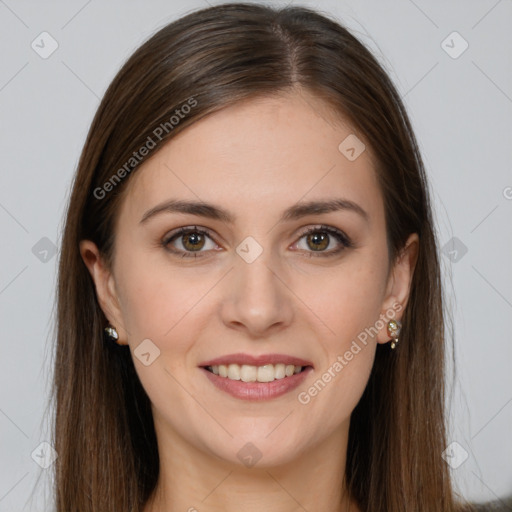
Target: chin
{"type": "Point", "coordinates": [260, 450]}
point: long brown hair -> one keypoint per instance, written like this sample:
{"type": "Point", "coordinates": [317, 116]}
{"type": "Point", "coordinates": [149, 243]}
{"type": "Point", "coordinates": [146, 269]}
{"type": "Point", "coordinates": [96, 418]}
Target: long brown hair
{"type": "Point", "coordinates": [212, 58]}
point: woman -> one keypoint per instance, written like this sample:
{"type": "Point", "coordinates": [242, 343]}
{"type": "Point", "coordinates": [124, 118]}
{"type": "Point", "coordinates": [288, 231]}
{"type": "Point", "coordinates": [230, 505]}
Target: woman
{"type": "Point", "coordinates": [250, 307]}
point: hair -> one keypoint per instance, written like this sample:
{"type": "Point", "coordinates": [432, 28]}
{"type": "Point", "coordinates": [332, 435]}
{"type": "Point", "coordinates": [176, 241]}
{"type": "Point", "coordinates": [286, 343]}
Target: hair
{"type": "Point", "coordinates": [210, 59]}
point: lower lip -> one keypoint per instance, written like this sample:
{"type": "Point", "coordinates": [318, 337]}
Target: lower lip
{"type": "Point", "coordinates": [257, 391]}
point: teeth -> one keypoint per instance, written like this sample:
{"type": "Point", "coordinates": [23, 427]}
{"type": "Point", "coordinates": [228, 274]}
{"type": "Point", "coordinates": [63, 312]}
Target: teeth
{"type": "Point", "coordinates": [279, 371]}
{"type": "Point", "coordinates": [234, 372]}
{"type": "Point", "coordinates": [249, 373]}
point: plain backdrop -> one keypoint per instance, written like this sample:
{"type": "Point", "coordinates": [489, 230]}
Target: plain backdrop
{"type": "Point", "coordinates": [458, 91]}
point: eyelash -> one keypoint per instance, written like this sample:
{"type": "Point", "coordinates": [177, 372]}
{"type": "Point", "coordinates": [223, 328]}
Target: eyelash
{"type": "Point", "coordinates": [343, 239]}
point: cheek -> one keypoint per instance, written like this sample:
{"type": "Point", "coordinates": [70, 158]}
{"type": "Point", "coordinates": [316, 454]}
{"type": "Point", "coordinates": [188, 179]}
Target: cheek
{"type": "Point", "coordinates": [156, 298]}
{"type": "Point", "coordinates": [330, 397]}
{"type": "Point", "coordinates": [160, 303]}
{"type": "Point", "coordinates": [350, 307]}
{"type": "Point", "coordinates": [347, 298]}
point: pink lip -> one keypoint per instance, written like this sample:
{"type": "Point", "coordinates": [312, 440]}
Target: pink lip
{"type": "Point", "coordinates": [256, 360]}
{"type": "Point", "coordinates": [257, 391]}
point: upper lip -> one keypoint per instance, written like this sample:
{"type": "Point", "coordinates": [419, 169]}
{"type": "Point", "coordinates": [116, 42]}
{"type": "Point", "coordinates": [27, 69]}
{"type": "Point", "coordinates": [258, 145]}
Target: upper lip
{"type": "Point", "coordinates": [256, 360]}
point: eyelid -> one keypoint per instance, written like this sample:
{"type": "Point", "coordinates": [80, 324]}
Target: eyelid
{"type": "Point", "coordinates": [176, 233]}
{"type": "Point", "coordinates": [339, 235]}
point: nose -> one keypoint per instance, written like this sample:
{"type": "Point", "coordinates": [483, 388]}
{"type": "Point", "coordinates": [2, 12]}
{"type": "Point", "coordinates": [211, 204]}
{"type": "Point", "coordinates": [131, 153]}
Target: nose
{"type": "Point", "coordinates": [257, 299]}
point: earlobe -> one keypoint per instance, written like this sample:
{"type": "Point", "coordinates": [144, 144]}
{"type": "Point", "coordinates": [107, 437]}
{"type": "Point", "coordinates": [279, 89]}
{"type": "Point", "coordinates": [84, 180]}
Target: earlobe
{"type": "Point", "coordinates": [399, 286]}
{"type": "Point", "coordinates": [105, 286]}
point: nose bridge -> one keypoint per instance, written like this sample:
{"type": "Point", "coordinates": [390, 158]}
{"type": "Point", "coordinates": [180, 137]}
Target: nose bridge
{"type": "Point", "coordinates": [257, 299]}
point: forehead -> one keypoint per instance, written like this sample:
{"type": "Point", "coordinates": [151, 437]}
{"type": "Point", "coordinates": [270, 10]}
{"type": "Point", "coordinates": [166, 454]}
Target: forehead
{"type": "Point", "coordinates": [262, 153]}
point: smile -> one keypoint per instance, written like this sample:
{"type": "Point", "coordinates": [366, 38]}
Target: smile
{"type": "Point", "coordinates": [250, 373]}
{"type": "Point", "coordinates": [275, 385]}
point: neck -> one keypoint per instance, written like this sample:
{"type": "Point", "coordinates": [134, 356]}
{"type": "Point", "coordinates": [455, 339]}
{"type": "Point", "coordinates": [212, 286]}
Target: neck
{"type": "Point", "coordinates": [195, 481]}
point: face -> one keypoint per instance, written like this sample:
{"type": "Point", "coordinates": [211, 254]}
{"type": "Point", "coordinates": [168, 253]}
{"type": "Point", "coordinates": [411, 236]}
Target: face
{"type": "Point", "coordinates": [285, 271]}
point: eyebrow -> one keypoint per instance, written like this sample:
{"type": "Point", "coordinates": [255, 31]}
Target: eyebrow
{"type": "Point", "coordinates": [297, 211]}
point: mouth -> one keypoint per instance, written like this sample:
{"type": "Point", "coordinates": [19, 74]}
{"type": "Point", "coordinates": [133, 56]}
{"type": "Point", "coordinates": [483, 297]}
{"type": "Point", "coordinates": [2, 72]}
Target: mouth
{"type": "Point", "coordinates": [256, 378]}
{"type": "Point", "coordinates": [272, 385]}
{"type": "Point", "coordinates": [252, 373]}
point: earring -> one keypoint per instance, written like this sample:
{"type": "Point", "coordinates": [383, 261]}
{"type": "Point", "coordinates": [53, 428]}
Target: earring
{"type": "Point", "coordinates": [394, 327]}
{"type": "Point", "coordinates": [111, 333]}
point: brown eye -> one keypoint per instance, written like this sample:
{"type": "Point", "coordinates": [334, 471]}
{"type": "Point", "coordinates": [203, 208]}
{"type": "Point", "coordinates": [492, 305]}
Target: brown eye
{"type": "Point", "coordinates": [193, 241]}
{"type": "Point", "coordinates": [318, 241]}
{"type": "Point", "coordinates": [189, 242]}
{"type": "Point", "coordinates": [323, 241]}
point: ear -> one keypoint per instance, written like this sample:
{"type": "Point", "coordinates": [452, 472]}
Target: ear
{"type": "Point", "coordinates": [105, 287]}
{"type": "Point", "coordinates": [399, 285]}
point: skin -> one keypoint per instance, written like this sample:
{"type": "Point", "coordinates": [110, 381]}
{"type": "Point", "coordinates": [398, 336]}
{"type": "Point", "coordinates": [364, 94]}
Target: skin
{"type": "Point", "coordinates": [255, 159]}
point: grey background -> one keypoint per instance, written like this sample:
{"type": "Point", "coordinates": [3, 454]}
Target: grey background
{"type": "Point", "coordinates": [461, 111]}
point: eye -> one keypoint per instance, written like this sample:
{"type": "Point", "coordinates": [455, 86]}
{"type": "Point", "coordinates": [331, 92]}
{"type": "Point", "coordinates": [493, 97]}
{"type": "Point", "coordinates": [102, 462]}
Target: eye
{"type": "Point", "coordinates": [323, 240]}
{"type": "Point", "coordinates": [189, 240]}
{"type": "Point", "coordinates": [192, 241]}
